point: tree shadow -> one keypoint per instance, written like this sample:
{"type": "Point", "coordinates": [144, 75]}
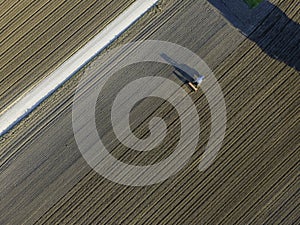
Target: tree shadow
{"type": "Point", "coordinates": [182, 71]}
{"type": "Point", "coordinates": [266, 25]}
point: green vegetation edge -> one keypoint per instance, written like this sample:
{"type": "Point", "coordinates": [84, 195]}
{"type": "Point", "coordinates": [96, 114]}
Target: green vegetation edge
{"type": "Point", "coordinates": [253, 3]}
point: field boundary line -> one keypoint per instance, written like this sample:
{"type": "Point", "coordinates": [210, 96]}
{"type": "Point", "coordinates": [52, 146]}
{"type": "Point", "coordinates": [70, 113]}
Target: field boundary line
{"type": "Point", "coordinates": [29, 101]}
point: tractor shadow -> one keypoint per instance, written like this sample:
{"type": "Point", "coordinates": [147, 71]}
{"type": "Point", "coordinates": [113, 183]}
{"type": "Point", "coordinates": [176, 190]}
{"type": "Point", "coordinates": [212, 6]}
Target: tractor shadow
{"type": "Point", "coordinates": [182, 71]}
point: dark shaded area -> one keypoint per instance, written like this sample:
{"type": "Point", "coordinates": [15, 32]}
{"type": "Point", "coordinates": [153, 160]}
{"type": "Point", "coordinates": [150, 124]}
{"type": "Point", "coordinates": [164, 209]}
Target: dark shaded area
{"type": "Point", "coordinates": [182, 71]}
{"type": "Point", "coordinates": [268, 26]}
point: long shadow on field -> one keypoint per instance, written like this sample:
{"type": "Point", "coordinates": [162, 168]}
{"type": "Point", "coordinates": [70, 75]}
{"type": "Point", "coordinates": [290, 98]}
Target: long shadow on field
{"type": "Point", "coordinates": [268, 26]}
{"type": "Point", "coordinates": [182, 71]}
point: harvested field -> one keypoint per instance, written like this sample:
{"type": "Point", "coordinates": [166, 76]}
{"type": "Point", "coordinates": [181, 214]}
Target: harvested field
{"type": "Point", "coordinates": [44, 178]}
